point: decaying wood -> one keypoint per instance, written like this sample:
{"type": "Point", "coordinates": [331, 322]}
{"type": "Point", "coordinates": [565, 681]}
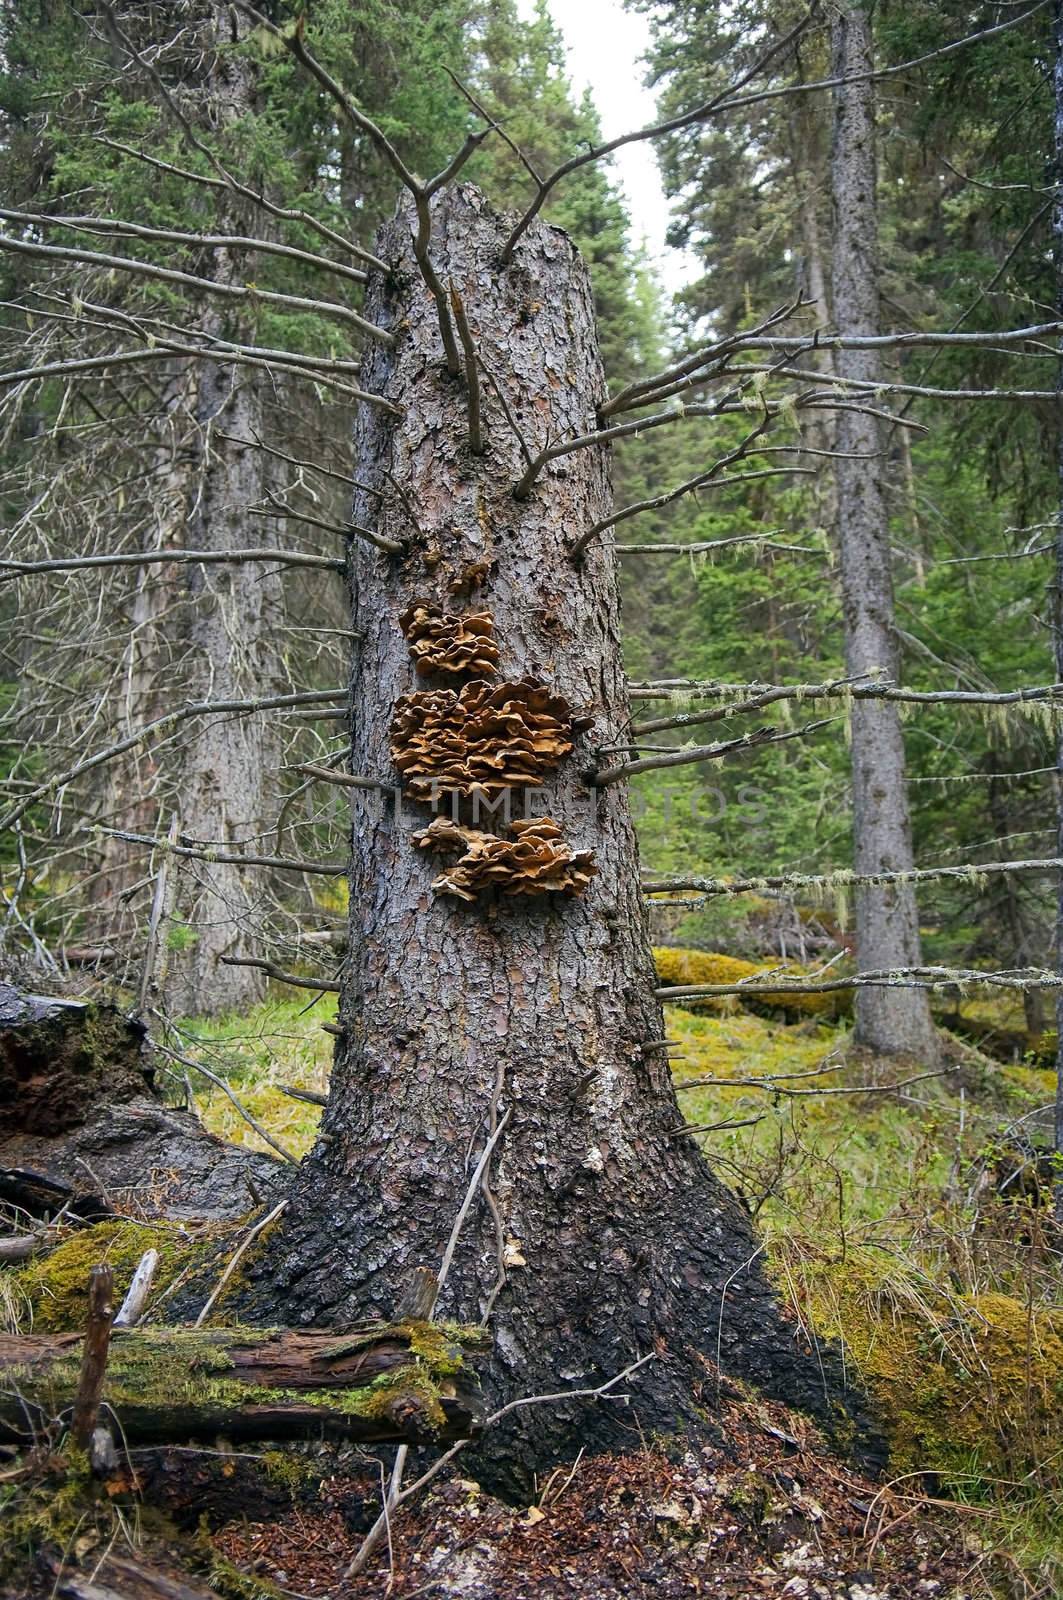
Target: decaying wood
{"type": "Point", "coordinates": [57, 1055]}
{"type": "Point", "coordinates": [83, 1132]}
{"type": "Point", "coordinates": [94, 1355]}
{"type": "Point", "coordinates": [166, 1385]}
{"type": "Point", "coordinates": [132, 1307]}
{"type": "Point", "coordinates": [120, 1578]}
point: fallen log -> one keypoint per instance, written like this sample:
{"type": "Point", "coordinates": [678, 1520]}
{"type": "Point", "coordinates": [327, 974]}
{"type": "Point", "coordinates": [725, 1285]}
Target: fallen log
{"type": "Point", "coordinates": [119, 1578]}
{"type": "Point", "coordinates": [82, 1128]}
{"type": "Point", "coordinates": [405, 1382]}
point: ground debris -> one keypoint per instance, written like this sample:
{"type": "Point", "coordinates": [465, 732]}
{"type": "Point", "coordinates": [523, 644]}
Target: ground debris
{"type": "Point", "coordinates": [755, 1516]}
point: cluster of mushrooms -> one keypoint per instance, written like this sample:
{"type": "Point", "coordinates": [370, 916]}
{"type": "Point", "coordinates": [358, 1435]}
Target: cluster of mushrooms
{"type": "Point", "coordinates": [481, 740]}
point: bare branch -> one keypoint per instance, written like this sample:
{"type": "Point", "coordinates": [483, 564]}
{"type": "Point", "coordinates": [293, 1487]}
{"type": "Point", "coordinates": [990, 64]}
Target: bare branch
{"type": "Point", "coordinates": [898, 978]}
{"type": "Point", "coordinates": [198, 241]}
{"type": "Point", "coordinates": [757, 696]}
{"type": "Point", "coordinates": [844, 879]}
{"type": "Point", "coordinates": [150, 558]}
{"type": "Point", "coordinates": [233, 858]}
{"type": "Point", "coordinates": [229, 291]}
{"type": "Point", "coordinates": [472, 376]}
{"type": "Point", "coordinates": [282, 213]}
{"type": "Point", "coordinates": [707, 752]}
{"type": "Point", "coordinates": [765, 541]}
{"type": "Point", "coordinates": [293, 40]}
{"type": "Point", "coordinates": [343, 780]}
{"type": "Point", "coordinates": [647, 391]}
{"type": "Point", "coordinates": [163, 724]}
{"type": "Point", "coordinates": [220, 1083]}
{"type": "Point", "coordinates": [324, 986]}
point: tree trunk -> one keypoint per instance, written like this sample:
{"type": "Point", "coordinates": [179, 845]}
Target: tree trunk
{"type": "Point", "coordinates": [599, 1235]}
{"type": "Point", "coordinates": [1057, 618]}
{"type": "Point", "coordinates": [171, 1385]}
{"type": "Point", "coordinates": [888, 1020]}
{"type": "Point", "coordinates": [229, 767]}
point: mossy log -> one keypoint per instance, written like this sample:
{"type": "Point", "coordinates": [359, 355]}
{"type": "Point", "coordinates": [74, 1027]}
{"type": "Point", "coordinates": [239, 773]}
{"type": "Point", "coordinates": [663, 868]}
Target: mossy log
{"type": "Point", "coordinates": [405, 1382]}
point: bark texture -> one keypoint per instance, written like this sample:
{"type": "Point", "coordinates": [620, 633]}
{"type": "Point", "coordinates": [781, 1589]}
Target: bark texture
{"type": "Point", "coordinates": [1057, 641]}
{"type": "Point", "coordinates": [598, 1234]}
{"type": "Point", "coordinates": [888, 1020]}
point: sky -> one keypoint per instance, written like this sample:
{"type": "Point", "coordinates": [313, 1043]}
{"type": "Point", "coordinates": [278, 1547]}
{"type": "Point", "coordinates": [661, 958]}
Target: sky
{"type": "Point", "coordinates": [604, 44]}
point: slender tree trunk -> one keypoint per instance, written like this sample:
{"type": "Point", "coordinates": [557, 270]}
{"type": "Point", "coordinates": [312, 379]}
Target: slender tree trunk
{"type": "Point", "coordinates": [135, 792]}
{"type": "Point", "coordinates": [1057, 225]}
{"type": "Point", "coordinates": [229, 767]}
{"type": "Point", "coordinates": [888, 1020]}
{"type": "Point", "coordinates": [598, 1234]}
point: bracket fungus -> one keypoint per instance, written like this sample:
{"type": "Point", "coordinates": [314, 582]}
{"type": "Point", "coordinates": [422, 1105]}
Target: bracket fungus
{"type": "Point", "coordinates": [483, 740]}
{"type": "Point", "coordinates": [441, 642]}
{"type": "Point", "coordinates": [534, 860]}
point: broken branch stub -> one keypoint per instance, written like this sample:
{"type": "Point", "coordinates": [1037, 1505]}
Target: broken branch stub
{"type": "Point", "coordinates": [482, 741]}
{"type": "Point", "coordinates": [535, 860]}
{"type": "Point", "coordinates": [441, 642]}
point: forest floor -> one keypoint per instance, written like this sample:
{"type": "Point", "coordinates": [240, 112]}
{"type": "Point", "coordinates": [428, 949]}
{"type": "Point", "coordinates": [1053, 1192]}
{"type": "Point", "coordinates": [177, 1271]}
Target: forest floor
{"type": "Point", "coordinates": [902, 1218]}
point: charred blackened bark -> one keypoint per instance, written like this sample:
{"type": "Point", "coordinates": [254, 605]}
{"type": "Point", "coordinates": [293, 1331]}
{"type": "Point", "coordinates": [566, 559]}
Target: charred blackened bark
{"type": "Point", "coordinates": [889, 1020]}
{"type": "Point", "coordinates": [599, 1235]}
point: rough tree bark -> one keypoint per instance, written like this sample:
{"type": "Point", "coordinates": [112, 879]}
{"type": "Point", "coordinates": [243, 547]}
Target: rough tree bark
{"type": "Point", "coordinates": [888, 1020]}
{"type": "Point", "coordinates": [600, 1234]}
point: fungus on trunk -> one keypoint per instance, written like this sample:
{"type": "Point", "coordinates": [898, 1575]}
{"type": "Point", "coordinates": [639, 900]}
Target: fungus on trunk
{"type": "Point", "coordinates": [534, 860]}
{"type": "Point", "coordinates": [441, 642]}
{"type": "Point", "coordinates": [482, 741]}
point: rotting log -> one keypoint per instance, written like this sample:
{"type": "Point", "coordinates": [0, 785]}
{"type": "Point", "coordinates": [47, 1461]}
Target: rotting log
{"type": "Point", "coordinates": [82, 1128]}
{"type": "Point", "coordinates": [119, 1578]}
{"type": "Point", "coordinates": [407, 1382]}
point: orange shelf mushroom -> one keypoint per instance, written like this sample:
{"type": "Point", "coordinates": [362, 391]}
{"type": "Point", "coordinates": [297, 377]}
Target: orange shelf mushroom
{"type": "Point", "coordinates": [440, 642]}
{"type": "Point", "coordinates": [487, 738]}
{"type": "Point", "coordinates": [534, 860]}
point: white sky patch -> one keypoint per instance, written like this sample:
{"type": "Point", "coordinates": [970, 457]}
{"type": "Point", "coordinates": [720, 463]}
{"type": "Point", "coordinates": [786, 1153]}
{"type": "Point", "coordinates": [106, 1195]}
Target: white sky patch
{"type": "Point", "coordinates": [605, 45]}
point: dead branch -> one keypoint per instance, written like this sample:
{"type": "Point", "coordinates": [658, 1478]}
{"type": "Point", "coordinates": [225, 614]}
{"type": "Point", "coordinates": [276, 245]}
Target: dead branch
{"type": "Point", "coordinates": [155, 558]}
{"type": "Point", "coordinates": [708, 752]}
{"type": "Point", "coordinates": [898, 978]}
{"type": "Point", "coordinates": [282, 213]}
{"type": "Point", "coordinates": [228, 291]}
{"type": "Point", "coordinates": [320, 985]}
{"type": "Point", "coordinates": [94, 1357]}
{"type": "Point", "coordinates": [832, 689]}
{"type": "Point", "coordinates": [163, 724]}
{"type": "Point", "coordinates": [220, 1083]}
{"type": "Point", "coordinates": [198, 241]}
{"type": "Point", "coordinates": [843, 878]}
{"type": "Point", "coordinates": [472, 376]}
{"type": "Point", "coordinates": [136, 1297]}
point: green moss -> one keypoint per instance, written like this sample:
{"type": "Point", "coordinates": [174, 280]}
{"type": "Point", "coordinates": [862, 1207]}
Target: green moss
{"type": "Point", "coordinates": [439, 1345]}
{"type": "Point", "coordinates": [49, 1509]}
{"type": "Point", "coordinates": [964, 1383]}
{"type": "Point", "coordinates": [228, 1580]}
{"type": "Point", "coordinates": [678, 966]}
{"type": "Point", "coordinates": [56, 1284]}
{"type": "Point", "coordinates": [287, 1468]}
